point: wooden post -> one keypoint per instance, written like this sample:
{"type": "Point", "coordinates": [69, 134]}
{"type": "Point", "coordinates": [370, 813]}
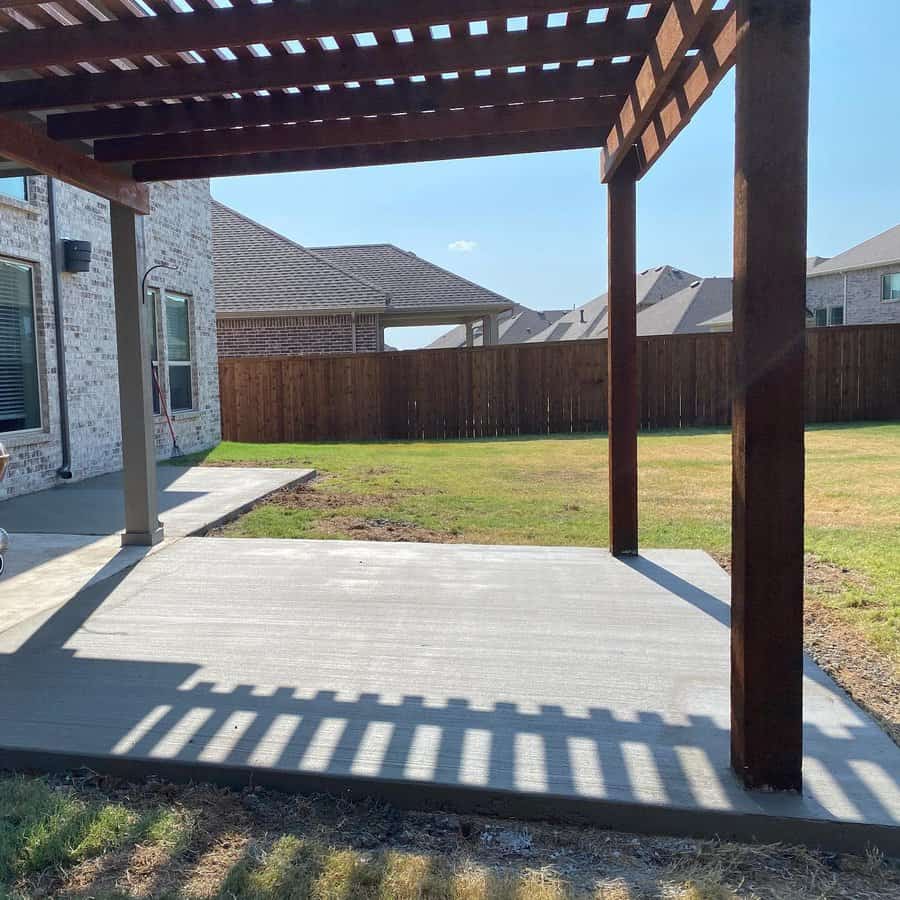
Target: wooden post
{"type": "Point", "coordinates": [470, 334]}
{"type": "Point", "coordinates": [622, 358]}
{"type": "Point", "coordinates": [142, 524]}
{"type": "Point", "coordinates": [769, 338]}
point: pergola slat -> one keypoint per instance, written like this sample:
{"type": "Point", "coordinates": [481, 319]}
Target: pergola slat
{"type": "Point", "coordinates": [214, 27]}
{"type": "Point", "coordinates": [701, 75]}
{"type": "Point", "coordinates": [531, 117]}
{"type": "Point", "coordinates": [372, 155]}
{"type": "Point", "coordinates": [358, 64]}
{"type": "Point", "coordinates": [680, 27]}
{"type": "Point", "coordinates": [26, 146]}
{"type": "Point", "coordinates": [609, 80]}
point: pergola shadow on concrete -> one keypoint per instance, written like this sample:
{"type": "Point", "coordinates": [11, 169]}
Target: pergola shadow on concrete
{"type": "Point", "coordinates": [139, 92]}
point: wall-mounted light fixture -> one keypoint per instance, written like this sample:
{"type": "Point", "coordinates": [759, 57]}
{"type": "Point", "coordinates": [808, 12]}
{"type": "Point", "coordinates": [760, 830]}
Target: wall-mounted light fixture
{"type": "Point", "coordinates": [76, 256]}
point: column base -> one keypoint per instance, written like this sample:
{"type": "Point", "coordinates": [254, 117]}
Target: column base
{"type": "Point", "coordinates": [143, 538]}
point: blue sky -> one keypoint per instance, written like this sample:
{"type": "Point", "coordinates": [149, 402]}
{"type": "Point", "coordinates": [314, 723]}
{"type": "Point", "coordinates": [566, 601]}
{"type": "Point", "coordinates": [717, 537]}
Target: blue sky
{"type": "Point", "coordinates": [533, 227]}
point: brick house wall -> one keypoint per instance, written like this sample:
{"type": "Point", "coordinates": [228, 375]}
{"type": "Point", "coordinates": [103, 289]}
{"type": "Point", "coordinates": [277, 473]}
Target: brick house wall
{"type": "Point", "coordinates": [177, 232]}
{"type": "Point", "coordinates": [297, 335]}
{"type": "Point", "coordinates": [864, 304]}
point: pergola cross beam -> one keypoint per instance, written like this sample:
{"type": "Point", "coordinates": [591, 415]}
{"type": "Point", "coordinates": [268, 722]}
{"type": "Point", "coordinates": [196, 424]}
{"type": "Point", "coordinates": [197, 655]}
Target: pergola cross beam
{"type": "Point", "coordinates": [298, 70]}
{"type": "Point", "coordinates": [404, 97]}
{"type": "Point", "coordinates": [679, 29]}
{"type": "Point", "coordinates": [525, 118]}
{"type": "Point", "coordinates": [23, 144]}
{"type": "Point", "coordinates": [702, 75]}
{"type": "Point", "coordinates": [212, 27]}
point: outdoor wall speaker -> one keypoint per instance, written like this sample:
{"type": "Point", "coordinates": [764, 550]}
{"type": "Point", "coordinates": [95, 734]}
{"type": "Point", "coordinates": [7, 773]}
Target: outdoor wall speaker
{"type": "Point", "coordinates": [77, 256]}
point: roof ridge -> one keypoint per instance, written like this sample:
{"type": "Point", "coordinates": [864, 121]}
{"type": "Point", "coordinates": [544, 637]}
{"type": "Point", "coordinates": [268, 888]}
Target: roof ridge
{"type": "Point", "coordinates": [297, 245]}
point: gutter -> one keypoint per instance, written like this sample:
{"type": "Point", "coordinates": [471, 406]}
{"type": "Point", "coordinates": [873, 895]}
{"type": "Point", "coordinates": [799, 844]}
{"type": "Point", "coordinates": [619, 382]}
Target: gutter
{"type": "Point", "coordinates": [65, 437]}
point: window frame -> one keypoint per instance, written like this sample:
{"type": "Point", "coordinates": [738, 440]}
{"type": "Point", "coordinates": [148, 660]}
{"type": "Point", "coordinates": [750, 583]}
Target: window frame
{"type": "Point", "coordinates": [895, 291]}
{"type": "Point", "coordinates": [38, 355]}
{"type": "Point", "coordinates": [188, 363]}
{"type": "Point", "coordinates": [820, 316]}
{"type": "Point", "coordinates": [25, 198]}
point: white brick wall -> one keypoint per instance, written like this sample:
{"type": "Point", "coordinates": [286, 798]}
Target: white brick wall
{"type": "Point", "coordinates": [864, 303]}
{"type": "Point", "coordinates": [178, 233]}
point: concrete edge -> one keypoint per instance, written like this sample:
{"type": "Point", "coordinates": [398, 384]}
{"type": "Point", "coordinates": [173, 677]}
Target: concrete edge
{"type": "Point", "coordinates": [636, 818]}
{"type": "Point", "coordinates": [237, 512]}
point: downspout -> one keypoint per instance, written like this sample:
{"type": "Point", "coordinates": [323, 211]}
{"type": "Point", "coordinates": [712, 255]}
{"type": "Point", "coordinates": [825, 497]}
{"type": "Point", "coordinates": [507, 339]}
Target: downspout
{"type": "Point", "coordinates": [844, 317]}
{"type": "Point", "coordinates": [65, 437]}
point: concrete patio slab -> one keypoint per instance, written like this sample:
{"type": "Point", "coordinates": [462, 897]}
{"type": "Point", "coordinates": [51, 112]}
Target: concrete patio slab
{"type": "Point", "coordinates": [190, 499]}
{"type": "Point", "coordinates": [529, 681]}
{"type": "Point", "coordinates": [66, 538]}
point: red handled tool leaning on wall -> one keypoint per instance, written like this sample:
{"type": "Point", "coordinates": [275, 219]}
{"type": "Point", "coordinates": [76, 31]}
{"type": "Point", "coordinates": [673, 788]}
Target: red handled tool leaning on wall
{"type": "Point", "coordinates": [4, 537]}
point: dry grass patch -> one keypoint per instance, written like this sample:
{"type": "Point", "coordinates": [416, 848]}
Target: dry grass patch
{"type": "Point", "coordinates": [201, 842]}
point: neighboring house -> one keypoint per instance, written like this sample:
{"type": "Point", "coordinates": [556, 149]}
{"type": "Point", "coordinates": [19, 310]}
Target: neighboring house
{"type": "Point", "coordinates": [276, 297]}
{"type": "Point", "coordinates": [860, 286]}
{"type": "Point", "coordinates": [180, 314]}
{"type": "Point", "coordinates": [697, 308]}
{"type": "Point", "coordinates": [516, 327]}
{"type": "Point", "coordinates": [590, 320]}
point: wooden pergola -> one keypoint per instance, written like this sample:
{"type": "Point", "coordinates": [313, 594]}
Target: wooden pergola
{"type": "Point", "coordinates": [111, 95]}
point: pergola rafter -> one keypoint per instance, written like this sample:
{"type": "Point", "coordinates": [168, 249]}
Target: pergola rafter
{"type": "Point", "coordinates": [302, 70]}
{"type": "Point", "coordinates": [133, 93]}
{"type": "Point", "coordinates": [602, 80]}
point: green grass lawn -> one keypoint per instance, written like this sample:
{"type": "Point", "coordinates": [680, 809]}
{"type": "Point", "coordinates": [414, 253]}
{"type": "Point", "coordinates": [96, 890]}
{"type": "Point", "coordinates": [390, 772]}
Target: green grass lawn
{"type": "Point", "coordinates": [553, 491]}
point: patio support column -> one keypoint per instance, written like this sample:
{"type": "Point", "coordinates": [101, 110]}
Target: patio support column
{"type": "Point", "coordinates": [470, 334]}
{"type": "Point", "coordinates": [142, 526]}
{"type": "Point", "coordinates": [769, 345]}
{"type": "Point", "coordinates": [490, 333]}
{"type": "Point", "coordinates": [622, 385]}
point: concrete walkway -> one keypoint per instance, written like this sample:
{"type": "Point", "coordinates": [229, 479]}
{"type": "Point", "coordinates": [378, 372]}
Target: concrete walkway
{"type": "Point", "coordinates": [67, 538]}
{"type": "Point", "coordinates": [526, 680]}
{"type": "Point", "coordinates": [190, 499]}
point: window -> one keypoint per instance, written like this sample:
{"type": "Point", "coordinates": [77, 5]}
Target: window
{"type": "Point", "coordinates": [890, 287]}
{"type": "Point", "coordinates": [178, 339]}
{"type": "Point", "coordinates": [14, 187]}
{"type": "Point", "coordinates": [150, 302]}
{"type": "Point", "coordinates": [20, 404]}
{"type": "Point", "coordinates": [829, 315]}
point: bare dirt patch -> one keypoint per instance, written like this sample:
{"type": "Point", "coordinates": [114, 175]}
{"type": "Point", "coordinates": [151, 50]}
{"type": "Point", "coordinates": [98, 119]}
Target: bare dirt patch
{"type": "Point", "coordinates": [858, 667]}
{"type": "Point", "coordinates": [232, 829]}
{"type": "Point", "coordinates": [389, 530]}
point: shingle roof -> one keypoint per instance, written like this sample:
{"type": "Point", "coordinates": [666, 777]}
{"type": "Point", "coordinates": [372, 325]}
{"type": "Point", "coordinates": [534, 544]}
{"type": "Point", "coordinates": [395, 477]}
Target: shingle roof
{"type": "Point", "coordinates": [589, 321]}
{"type": "Point", "coordinates": [687, 311]}
{"type": "Point", "coordinates": [412, 282]}
{"type": "Point", "coordinates": [516, 327]}
{"type": "Point", "coordinates": [876, 251]}
{"type": "Point", "coordinates": [259, 271]}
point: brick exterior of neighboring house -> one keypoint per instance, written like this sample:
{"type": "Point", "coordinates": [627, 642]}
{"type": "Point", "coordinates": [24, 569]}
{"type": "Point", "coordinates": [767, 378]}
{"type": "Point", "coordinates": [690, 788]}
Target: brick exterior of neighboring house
{"type": "Point", "coordinates": [275, 297]}
{"type": "Point", "coordinates": [298, 335]}
{"type": "Point", "coordinates": [177, 233]}
{"type": "Point", "coordinates": [850, 289]}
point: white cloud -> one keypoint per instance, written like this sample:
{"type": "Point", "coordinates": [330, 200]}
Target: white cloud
{"type": "Point", "coordinates": [462, 246]}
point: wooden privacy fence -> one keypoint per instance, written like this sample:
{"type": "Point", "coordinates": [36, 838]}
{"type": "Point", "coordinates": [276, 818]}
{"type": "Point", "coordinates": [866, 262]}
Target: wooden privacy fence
{"type": "Point", "coordinates": [853, 373]}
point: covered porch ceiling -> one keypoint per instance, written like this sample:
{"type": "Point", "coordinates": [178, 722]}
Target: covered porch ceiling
{"type": "Point", "coordinates": [109, 96]}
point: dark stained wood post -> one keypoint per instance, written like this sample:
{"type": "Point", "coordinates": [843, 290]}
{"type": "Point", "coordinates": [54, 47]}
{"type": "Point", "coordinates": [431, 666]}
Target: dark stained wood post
{"type": "Point", "coordinates": [622, 359]}
{"type": "Point", "coordinates": [769, 338]}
